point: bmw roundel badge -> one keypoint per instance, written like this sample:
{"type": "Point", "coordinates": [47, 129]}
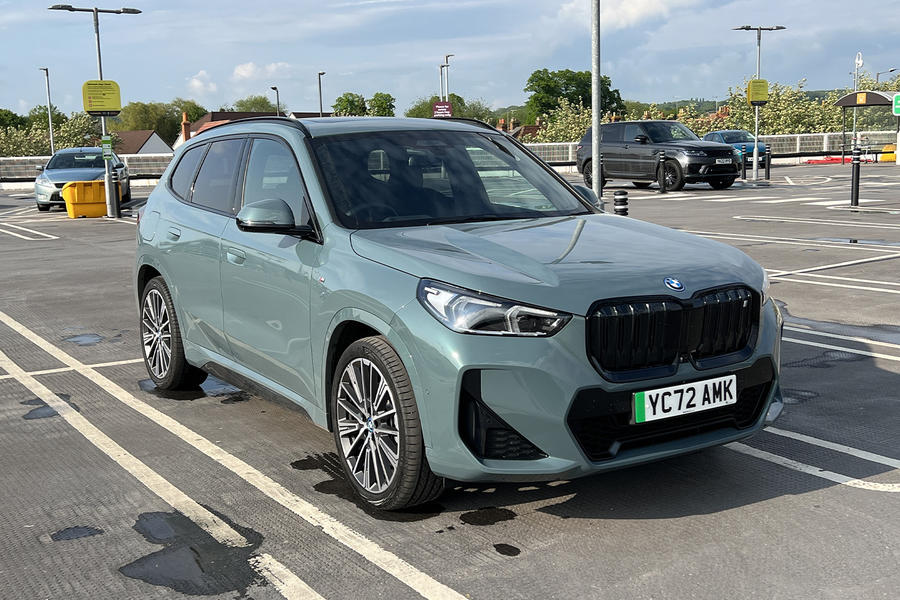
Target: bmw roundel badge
{"type": "Point", "coordinates": [674, 284]}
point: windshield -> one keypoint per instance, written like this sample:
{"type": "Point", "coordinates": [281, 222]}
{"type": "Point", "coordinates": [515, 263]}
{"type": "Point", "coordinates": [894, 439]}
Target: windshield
{"type": "Point", "coordinates": [736, 137]}
{"type": "Point", "coordinates": [405, 178]}
{"type": "Point", "coordinates": [667, 131]}
{"type": "Point", "coordinates": [76, 160]}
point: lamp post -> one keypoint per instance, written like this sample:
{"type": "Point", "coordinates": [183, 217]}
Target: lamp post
{"type": "Point", "coordinates": [441, 73]}
{"type": "Point", "coordinates": [49, 112]}
{"type": "Point", "coordinates": [758, 31]}
{"type": "Point", "coordinates": [321, 114]}
{"type": "Point", "coordinates": [447, 74]}
{"type": "Point", "coordinates": [880, 73]}
{"type": "Point", "coordinates": [111, 209]}
{"type": "Point", "coordinates": [277, 100]}
{"type": "Point", "coordinates": [596, 98]}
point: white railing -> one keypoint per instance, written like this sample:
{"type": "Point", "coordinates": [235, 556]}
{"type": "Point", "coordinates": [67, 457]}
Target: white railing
{"type": "Point", "coordinates": [23, 167]}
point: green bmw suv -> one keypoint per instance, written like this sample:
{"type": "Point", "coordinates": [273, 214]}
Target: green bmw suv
{"type": "Point", "coordinates": [446, 304]}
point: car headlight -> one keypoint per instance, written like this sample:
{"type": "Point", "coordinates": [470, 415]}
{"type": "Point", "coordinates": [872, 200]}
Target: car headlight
{"type": "Point", "coordinates": [43, 180]}
{"type": "Point", "coordinates": [465, 311]}
{"type": "Point", "coordinates": [694, 152]}
{"type": "Point", "coordinates": [764, 292]}
{"type": "Point", "coordinates": [737, 153]}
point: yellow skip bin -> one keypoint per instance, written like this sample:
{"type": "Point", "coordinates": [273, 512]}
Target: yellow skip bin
{"type": "Point", "coordinates": [85, 199]}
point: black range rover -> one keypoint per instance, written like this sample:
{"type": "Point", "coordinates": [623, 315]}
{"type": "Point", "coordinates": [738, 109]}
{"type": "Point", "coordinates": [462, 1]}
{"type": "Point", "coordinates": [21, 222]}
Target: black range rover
{"type": "Point", "coordinates": [630, 151]}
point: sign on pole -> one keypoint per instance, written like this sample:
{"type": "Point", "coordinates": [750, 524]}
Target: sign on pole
{"type": "Point", "coordinates": [106, 146]}
{"type": "Point", "coordinates": [757, 92]}
{"type": "Point", "coordinates": [101, 98]}
{"type": "Point", "coordinates": [896, 106]}
{"type": "Point", "coordinates": [441, 110]}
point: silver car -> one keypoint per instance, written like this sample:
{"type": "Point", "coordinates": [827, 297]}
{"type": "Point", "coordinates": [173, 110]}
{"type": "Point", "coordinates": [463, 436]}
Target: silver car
{"type": "Point", "coordinates": [74, 164]}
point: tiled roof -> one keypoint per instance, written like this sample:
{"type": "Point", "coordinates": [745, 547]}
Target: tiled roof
{"type": "Point", "coordinates": [132, 141]}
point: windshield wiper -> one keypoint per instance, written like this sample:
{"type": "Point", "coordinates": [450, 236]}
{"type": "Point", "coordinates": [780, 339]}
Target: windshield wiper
{"type": "Point", "coordinates": [476, 218]}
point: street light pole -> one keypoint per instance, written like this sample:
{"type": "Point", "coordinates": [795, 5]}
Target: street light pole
{"type": "Point", "coordinates": [447, 74]}
{"type": "Point", "coordinates": [441, 73]}
{"type": "Point", "coordinates": [596, 108]}
{"type": "Point", "coordinates": [49, 111]}
{"type": "Point", "coordinates": [111, 208]}
{"type": "Point", "coordinates": [277, 100]}
{"type": "Point", "coordinates": [880, 73]}
{"type": "Point", "coordinates": [321, 114]}
{"type": "Point", "coordinates": [759, 31]}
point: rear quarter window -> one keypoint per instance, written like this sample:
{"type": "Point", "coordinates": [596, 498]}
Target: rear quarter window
{"type": "Point", "coordinates": [184, 171]}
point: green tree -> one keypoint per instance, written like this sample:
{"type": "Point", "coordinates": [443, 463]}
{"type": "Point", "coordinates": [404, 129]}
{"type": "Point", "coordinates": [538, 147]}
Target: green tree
{"type": "Point", "coordinates": [159, 116]}
{"type": "Point", "coordinates": [10, 119]}
{"type": "Point", "coordinates": [349, 104]}
{"type": "Point", "coordinates": [548, 87]}
{"type": "Point", "coordinates": [472, 109]}
{"type": "Point", "coordinates": [381, 105]}
{"type": "Point", "coordinates": [194, 111]}
{"type": "Point", "coordinates": [38, 116]}
{"type": "Point", "coordinates": [257, 103]}
{"type": "Point", "coordinates": [79, 129]}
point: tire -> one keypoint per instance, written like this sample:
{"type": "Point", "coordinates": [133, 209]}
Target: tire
{"type": "Point", "coordinates": [362, 441]}
{"type": "Point", "coordinates": [641, 185]}
{"type": "Point", "coordinates": [43, 207]}
{"type": "Point", "coordinates": [161, 335]}
{"type": "Point", "coordinates": [587, 174]}
{"type": "Point", "coordinates": [721, 183]}
{"type": "Point", "coordinates": [674, 176]}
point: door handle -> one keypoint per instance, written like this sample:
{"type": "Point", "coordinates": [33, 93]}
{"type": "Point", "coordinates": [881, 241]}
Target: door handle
{"type": "Point", "coordinates": [235, 256]}
{"type": "Point", "coordinates": [173, 234]}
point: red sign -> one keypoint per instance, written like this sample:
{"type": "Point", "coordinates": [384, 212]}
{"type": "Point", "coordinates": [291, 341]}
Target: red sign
{"type": "Point", "coordinates": [441, 110]}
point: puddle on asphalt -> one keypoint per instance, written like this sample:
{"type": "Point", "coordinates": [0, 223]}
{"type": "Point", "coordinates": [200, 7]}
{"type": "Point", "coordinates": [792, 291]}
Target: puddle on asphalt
{"type": "Point", "coordinates": [85, 339]}
{"type": "Point", "coordinates": [507, 550]}
{"type": "Point", "coordinates": [192, 561]}
{"type": "Point", "coordinates": [41, 410]}
{"type": "Point", "coordinates": [798, 396]}
{"type": "Point", "coordinates": [329, 464]}
{"type": "Point", "coordinates": [490, 515]}
{"type": "Point", "coordinates": [211, 388]}
{"type": "Point", "coordinates": [74, 533]}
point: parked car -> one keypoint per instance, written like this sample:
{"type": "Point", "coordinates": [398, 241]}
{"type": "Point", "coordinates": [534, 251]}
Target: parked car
{"type": "Point", "coordinates": [74, 164]}
{"type": "Point", "coordinates": [738, 139]}
{"type": "Point", "coordinates": [630, 151]}
{"type": "Point", "coordinates": [446, 304]}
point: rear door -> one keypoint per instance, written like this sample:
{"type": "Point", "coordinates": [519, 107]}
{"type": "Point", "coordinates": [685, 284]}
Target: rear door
{"type": "Point", "coordinates": [266, 276]}
{"type": "Point", "coordinates": [190, 234]}
{"type": "Point", "coordinates": [612, 145]}
{"type": "Point", "coordinates": [638, 157]}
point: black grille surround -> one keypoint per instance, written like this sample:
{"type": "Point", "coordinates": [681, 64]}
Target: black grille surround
{"type": "Point", "coordinates": [601, 421]}
{"type": "Point", "coordinates": [645, 337]}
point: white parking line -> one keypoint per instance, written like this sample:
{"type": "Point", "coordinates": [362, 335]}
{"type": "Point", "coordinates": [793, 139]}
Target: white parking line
{"type": "Point", "coordinates": [849, 338]}
{"type": "Point", "coordinates": [869, 456]}
{"type": "Point", "coordinates": [417, 580]}
{"type": "Point", "coordinates": [15, 234]}
{"type": "Point", "coordinates": [842, 349]}
{"type": "Point", "coordinates": [114, 363]}
{"type": "Point", "coordinates": [841, 285]}
{"type": "Point", "coordinates": [171, 495]}
{"type": "Point", "coordinates": [743, 237]}
{"type": "Point", "coordinates": [793, 199]}
{"type": "Point", "coordinates": [811, 470]}
{"type": "Point", "coordinates": [812, 221]}
{"type": "Point", "coordinates": [839, 202]}
{"type": "Point", "coordinates": [837, 265]}
{"type": "Point", "coordinates": [839, 278]}
{"type": "Point", "coordinates": [32, 231]}
{"type": "Point", "coordinates": [742, 198]}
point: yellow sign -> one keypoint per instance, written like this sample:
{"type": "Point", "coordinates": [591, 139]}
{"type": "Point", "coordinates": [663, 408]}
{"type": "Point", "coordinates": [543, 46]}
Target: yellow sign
{"type": "Point", "coordinates": [861, 98]}
{"type": "Point", "coordinates": [101, 98]}
{"type": "Point", "coordinates": [757, 92]}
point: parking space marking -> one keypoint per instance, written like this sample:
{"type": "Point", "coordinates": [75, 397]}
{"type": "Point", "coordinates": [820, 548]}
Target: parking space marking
{"type": "Point", "coordinates": [842, 349]}
{"type": "Point", "coordinates": [32, 231]}
{"type": "Point", "coordinates": [814, 221]}
{"type": "Point", "coordinates": [794, 199]}
{"type": "Point", "coordinates": [811, 470]}
{"type": "Point", "coordinates": [807, 439]}
{"type": "Point", "coordinates": [15, 211]}
{"type": "Point", "coordinates": [389, 562]}
{"type": "Point", "coordinates": [289, 585]}
{"type": "Point", "coordinates": [838, 278]}
{"type": "Point", "coordinates": [21, 195]}
{"type": "Point", "coordinates": [18, 235]}
{"type": "Point", "coordinates": [171, 495]}
{"type": "Point", "coordinates": [746, 237]}
{"type": "Point", "coordinates": [847, 263]}
{"type": "Point", "coordinates": [114, 363]}
{"type": "Point", "coordinates": [742, 198]}
{"type": "Point", "coordinates": [842, 285]}
{"type": "Point", "coordinates": [839, 202]}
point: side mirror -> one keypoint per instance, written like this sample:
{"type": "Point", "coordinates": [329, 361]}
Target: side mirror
{"type": "Point", "coordinates": [271, 215]}
{"type": "Point", "coordinates": [641, 139]}
{"type": "Point", "coordinates": [119, 165]}
{"type": "Point", "coordinates": [39, 168]}
{"type": "Point", "coordinates": [588, 194]}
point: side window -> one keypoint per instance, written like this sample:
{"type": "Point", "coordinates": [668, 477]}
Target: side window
{"type": "Point", "coordinates": [214, 187]}
{"type": "Point", "coordinates": [632, 130]}
{"type": "Point", "coordinates": [183, 174]}
{"type": "Point", "coordinates": [272, 173]}
{"type": "Point", "coordinates": [612, 132]}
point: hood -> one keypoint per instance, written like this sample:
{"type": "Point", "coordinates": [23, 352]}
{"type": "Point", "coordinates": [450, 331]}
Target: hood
{"type": "Point", "coordinates": [563, 263]}
{"type": "Point", "coordinates": [696, 145]}
{"type": "Point", "coordinates": [760, 145]}
{"type": "Point", "coordinates": [65, 175]}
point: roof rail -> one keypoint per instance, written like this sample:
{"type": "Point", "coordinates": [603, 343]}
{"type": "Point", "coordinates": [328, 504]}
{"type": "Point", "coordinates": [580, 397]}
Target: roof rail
{"type": "Point", "coordinates": [285, 120]}
{"type": "Point", "coordinates": [469, 121]}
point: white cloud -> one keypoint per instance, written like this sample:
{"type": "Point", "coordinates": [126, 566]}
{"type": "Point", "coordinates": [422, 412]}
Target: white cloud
{"type": "Point", "coordinates": [251, 70]}
{"type": "Point", "coordinates": [201, 84]}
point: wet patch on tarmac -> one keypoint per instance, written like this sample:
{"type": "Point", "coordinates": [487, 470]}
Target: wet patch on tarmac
{"type": "Point", "coordinates": [490, 515]}
{"type": "Point", "coordinates": [85, 339]}
{"type": "Point", "coordinates": [797, 396]}
{"type": "Point", "coordinates": [826, 360]}
{"type": "Point", "coordinates": [329, 463]}
{"type": "Point", "coordinates": [74, 533]}
{"type": "Point", "coordinates": [211, 388]}
{"type": "Point", "coordinates": [507, 550]}
{"type": "Point", "coordinates": [41, 410]}
{"type": "Point", "coordinates": [192, 562]}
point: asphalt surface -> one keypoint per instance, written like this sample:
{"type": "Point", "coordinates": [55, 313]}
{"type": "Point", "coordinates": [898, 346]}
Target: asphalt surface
{"type": "Point", "coordinates": [109, 489]}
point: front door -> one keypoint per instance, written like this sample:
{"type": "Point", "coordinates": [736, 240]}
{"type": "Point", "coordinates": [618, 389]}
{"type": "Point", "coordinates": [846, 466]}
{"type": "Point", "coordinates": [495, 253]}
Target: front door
{"type": "Point", "coordinates": [266, 277]}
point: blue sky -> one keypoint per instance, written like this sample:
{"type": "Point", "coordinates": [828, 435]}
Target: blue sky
{"type": "Point", "coordinates": [217, 52]}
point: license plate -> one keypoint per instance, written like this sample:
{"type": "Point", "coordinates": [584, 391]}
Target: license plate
{"type": "Point", "coordinates": [723, 161]}
{"type": "Point", "coordinates": [663, 403]}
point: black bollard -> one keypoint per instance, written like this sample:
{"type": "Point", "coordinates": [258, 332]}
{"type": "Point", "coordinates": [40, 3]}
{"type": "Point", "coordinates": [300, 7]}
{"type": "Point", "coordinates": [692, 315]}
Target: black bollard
{"type": "Point", "coordinates": [620, 203]}
{"type": "Point", "coordinates": [854, 178]}
{"type": "Point", "coordinates": [117, 198]}
{"type": "Point", "coordinates": [661, 170]}
{"type": "Point", "coordinates": [768, 161]}
{"type": "Point", "coordinates": [743, 161]}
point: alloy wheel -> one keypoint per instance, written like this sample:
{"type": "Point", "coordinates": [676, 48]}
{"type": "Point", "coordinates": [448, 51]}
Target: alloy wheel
{"type": "Point", "coordinates": [156, 333]}
{"type": "Point", "coordinates": [367, 425]}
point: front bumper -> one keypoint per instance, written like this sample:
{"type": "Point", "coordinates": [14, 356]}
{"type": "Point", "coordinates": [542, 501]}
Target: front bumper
{"type": "Point", "coordinates": [535, 384]}
{"type": "Point", "coordinates": [699, 168]}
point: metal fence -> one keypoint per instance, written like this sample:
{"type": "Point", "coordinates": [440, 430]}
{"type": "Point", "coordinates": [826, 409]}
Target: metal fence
{"type": "Point", "coordinates": [23, 168]}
